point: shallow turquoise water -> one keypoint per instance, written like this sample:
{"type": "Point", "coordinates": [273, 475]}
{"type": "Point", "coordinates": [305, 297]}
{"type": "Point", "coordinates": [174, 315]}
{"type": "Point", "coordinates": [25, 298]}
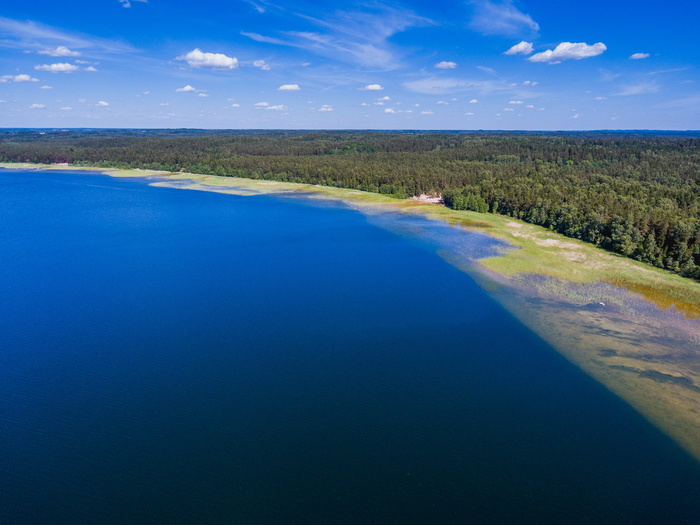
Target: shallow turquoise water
{"type": "Point", "coordinates": [170, 356]}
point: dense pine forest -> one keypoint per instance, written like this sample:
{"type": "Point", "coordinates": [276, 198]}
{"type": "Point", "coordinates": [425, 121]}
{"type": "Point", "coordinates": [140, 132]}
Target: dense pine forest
{"type": "Point", "coordinates": [634, 194]}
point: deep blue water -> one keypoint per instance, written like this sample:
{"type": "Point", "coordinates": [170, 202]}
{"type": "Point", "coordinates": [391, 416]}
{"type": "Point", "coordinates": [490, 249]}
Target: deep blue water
{"type": "Point", "coordinates": [171, 356]}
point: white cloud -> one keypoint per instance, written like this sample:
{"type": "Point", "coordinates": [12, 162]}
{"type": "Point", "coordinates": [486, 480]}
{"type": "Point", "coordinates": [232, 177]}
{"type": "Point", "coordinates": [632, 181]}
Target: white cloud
{"type": "Point", "coordinates": [6, 79]}
{"type": "Point", "coordinates": [380, 103]}
{"type": "Point", "coordinates": [235, 105]}
{"type": "Point", "coordinates": [197, 58]}
{"type": "Point", "coordinates": [372, 87]}
{"type": "Point", "coordinates": [91, 69]}
{"type": "Point", "coordinates": [262, 65]}
{"type": "Point", "coordinates": [601, 98]}
{"type": "Point", "coordinates": [507, 109]}
{"type": "Point", "coordinates": [469, 114]}
{"type": "Point", "coordinates": [103, 104]}
{"type": "Point", "coordinates": [638, 56]}
{"type": "Point", "coordinates": [67, 108]}
{"type": "Point", "coordinates": [501, 17]}
{"type": "Point", "coordinates": [46, 87]}
{"type": "Point", "coordinates": [530, 83]}
{"type": "Point", "coordinates": [428, 112]}
{"type": "Point", "coordinates": [644, 88]}
{"type": "Point", "coordinates": [60, 51]}
{"type": "Point", "coordinates": [326, 107]}
{"type": "Point", "coordinates": [280, 107]}
{"type": "Point", "coordinates": [385, 98]}
{"type": "Point", "coordinates": [442, 103]}
{"type": "Point", "coordinates": [529, 106]}
{"type": "Point", "coordinates": [37, 106]}
{"type": "Point", "coordinates": [515, 102]}
{"type": "Point", "coordinates": [488, 70]}
{"type": "Point", "coordinates": [577, 115]}
{"type": "Point", "coordinates": [289, 87]}
{"type": "Point", "coordinates": [361, 37]}
{"type": "Point", "coordinates": [569, 51]}
{"type": "Point", "coordinates": [127, 3]}
{"type": "Point", "coordinates": [57, 68]}
{"type": "Point", "coordinates": [473, 101]}
{"type": "Point", "coordinates": [202, 95]}
{"type": "Point", "coordinates": [523, 48]}
{"type": "Point", "coordinates": [446, 65]}
{"type": "Point", "coordinates": [389, 110]}
{"type": "Point", "coordinates": [364, 104]}
{"type": "Point", "coordinates": [187, 89]}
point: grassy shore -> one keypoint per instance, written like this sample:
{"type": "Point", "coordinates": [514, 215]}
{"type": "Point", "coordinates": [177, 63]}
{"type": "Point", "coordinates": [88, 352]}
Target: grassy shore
{"type": "Point", "coordinates": [633, 327]}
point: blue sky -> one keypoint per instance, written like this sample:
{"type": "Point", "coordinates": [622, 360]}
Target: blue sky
{"type": "Point", "coordinates": [474, 64]}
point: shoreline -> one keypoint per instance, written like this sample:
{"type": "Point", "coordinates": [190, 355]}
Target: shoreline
{"type": "Point", "coordinates": [632, 327]}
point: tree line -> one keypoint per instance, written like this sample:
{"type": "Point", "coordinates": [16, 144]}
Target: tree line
{"type": "Point", "coordinates": [636, 194]}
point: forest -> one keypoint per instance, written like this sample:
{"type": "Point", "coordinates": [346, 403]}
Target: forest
{"type": "Point", "coordinates": [636, 194]}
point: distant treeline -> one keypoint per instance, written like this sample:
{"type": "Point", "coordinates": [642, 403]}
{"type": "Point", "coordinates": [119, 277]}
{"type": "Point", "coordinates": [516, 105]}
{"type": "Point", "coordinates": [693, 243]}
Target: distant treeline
{"type": "Point", "coordinates": [634, 194]}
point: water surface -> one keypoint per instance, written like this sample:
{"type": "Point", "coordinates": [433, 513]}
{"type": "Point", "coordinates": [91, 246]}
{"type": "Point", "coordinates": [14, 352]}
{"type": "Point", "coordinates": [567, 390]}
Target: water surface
{"type": "Point", "coordinates": [171, 356]}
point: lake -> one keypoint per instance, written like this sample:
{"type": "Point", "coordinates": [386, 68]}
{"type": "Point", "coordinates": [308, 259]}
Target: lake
{"type": "Point", "coordinates": [173, 356]}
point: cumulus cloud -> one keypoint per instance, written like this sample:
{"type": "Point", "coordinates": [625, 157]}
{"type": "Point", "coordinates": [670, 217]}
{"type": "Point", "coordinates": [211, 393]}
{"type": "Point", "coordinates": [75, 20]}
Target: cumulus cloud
{"type": "Point", "coordinates": [197, 59]}
{"type": "Point", "coordinates": [569, 51]}
{"type": "Point", "coordinates": [501, 17]}
{"type": "Point", "coordinates": [601, 98]}
{"type": "Point", "coordinates": [46, 87]}
{"type": "Point", "coordinates": [326, 107]}
{"type": "Point", "coordinates": [442, 103]}
{"type": "Point", "coordinates": [638, 56]}
{"type": "Point", "coordinates": [389, 110]}
{"type": "Point", "coordinates": [6, 79]}
{"type": "Point", "coordinates": [235, 105]}
{"type": "Point", "coordinates": [279, 107]}
{"type": "Point", "coordinates": [372, 87]}
{"type": "Point", "coordinates": [385, 98]}
{"type": "Point", "coordinates": [37, 106]}
{"type": "Point", "coordinates": [289, 87]}
{"type": "Point", "coordinates": [473, 101]}
{"type": "Point", "coordinates": [427, 112]}
{"type": "Point", "coordinates": [446, 65]}
{"type": "Point", "coordinates": [60, 51]}
{"type": "Point", "coordinates": [91, 69]}
{"type": "Point", "coordinates": [57, 68]}
{"type": "Point", "coordinates": [103, 104]}
{"type": "Point", "coordinates": [523, 48]}
{"type": "Point", "coordinates": [530, 83]}
{"type": "Point", "coordinates": [187, 89]}
{"type": "Point", "coordinates": [262, 65]}
{"type": "Point", "coordinates": [203, 95]}
{"type": "Point", "coordinates": [577, 115]}
{"type": "Point", "coordinates": [67, 108]}
{"type": "Point", "coordinates": [261, 104]}
{"type": "Point", "coordinates": [515, 102]}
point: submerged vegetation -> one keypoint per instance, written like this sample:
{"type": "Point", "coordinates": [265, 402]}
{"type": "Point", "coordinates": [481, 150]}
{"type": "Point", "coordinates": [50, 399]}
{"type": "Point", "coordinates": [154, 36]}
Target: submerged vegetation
{"type": "Point", "coordinates": [634, 194]}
